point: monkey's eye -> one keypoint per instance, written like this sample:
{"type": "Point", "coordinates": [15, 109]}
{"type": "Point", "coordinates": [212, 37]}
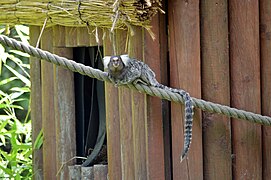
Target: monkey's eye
{"type": "Point", "coordinates": [115, 59]}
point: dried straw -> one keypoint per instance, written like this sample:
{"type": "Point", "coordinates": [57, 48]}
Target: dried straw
{"type": "Point", "coordinates": [100, 13]}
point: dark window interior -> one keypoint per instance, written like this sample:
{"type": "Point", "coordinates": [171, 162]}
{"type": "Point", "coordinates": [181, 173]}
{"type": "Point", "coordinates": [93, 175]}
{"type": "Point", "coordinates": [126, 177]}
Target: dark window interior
{"type": "Point", "coordinates": [90, 109]}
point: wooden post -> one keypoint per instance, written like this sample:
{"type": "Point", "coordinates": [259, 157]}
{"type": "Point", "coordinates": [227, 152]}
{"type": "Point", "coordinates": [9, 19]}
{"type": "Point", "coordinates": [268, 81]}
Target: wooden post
{"type": "Point", "coordinates": [126, 124]}
{"type": "Point", "coordinates": [216, 88]}
{"type": "Point", "coordinates": [48, 106]}
{"type": "Point", "coordinates": [184, 37]}
{"type": "Point", "coordinates": [155, 55]}
{"type": "Point", "coordinates": [112, 113]}
{"type": "Point", "coordinates": [36, 108]}
{"type": "Point", "coordinates": [265, 28]}
{"type": "Point", "coordinates": [245, 87]}
{"type": "Point", "coordinates": [64, 114]}
{"type": "Point", "coordinates": [139, 110]}
{"type": "Point", "coordinates": [100, 172]}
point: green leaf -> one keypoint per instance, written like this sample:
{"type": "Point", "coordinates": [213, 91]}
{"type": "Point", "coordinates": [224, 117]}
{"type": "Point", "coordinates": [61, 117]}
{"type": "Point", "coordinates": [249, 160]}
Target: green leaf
{"type": "Point", "coordinates": [39, 140]}
{"type": "Point", "coordinates": [3, 57]}
{"type": "Point", "coordinates": [6, 170]}
{"type": "Point", "coordinates": [6, 81]}
{"type": "Point", "coordinates": [21, 89]}
{"type": "Point", "coordinates": [15, 95]}
{"type": "Point", "coordinates": [20, 53]}
{"type": "Point", "coordinates": [6, 117]}
{"type": "Point", "coordinates": [3, 140]}
{"type": "Point", "coordinates": [19, 63]}
{"type": "Point", "coordinates": [17, 163]}
{"type": "Point", "coordinates": [20, 30]}
{"type": "Point", "coordinates": [3, 106]}
{"type": "Point", "coordinates": [2, 30]}
{"type": "Point", "coordinates": [23, 28]}
{"type": "Point", "coordinates": [21, 77]}
{"type": "Point", "coordinates": [3, 123]}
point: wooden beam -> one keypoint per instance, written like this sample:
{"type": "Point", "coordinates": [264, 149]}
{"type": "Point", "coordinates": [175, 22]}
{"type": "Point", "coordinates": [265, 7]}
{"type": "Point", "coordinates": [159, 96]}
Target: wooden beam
{"type": "Point", "coordinates": [245, 87]}
{"type": "Point", "coordinates": [64, 114]}
{"type": "Point", "coordinates": [155, 56]}
{"type": "Point", "coordinates": [184, 38]}
{"type": "Point", "coordinates": [113, 114]}
{"type": "Point", "coordinates": [216, 88]}
{"type": "Point", "coordinates": [48, 107]}
{"type": "Point", "coordinates": [71, 36]}
{"type": "Point", "coordinates": [139, 110]}
{"type": "Point", "coordinates": [100, 172]}
{"type": "Point", "coordinates": [36, 104]}
{"type": "Point", "coordinates": [126, 124]}
{"type": "Point", "coordinates": [265, 32]}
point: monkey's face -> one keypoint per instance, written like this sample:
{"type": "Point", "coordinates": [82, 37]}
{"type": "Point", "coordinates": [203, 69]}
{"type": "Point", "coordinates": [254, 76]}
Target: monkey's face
{"type": "Point", "coordinates": [116, 61]}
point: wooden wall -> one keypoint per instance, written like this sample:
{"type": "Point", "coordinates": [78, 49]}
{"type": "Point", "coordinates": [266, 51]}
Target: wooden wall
{"type": "Point", "coordinates": [216, 50]}
{"type": "Point", "coordinates": [53, 101]}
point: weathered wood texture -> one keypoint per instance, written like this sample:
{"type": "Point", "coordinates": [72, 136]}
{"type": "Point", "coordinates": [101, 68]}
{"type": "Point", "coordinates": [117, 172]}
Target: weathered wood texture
{"type": "Point", "coordinates": [184, 53]}
{"type": "Point", "coordinates": [155, 55]}
{"type": "Point", "coordinates": [48, 106]}
{"type": "Point", "coordinates": [140, 148]}
{"type": "Point", "coordinates": [113, 114]}
{"type": "Point", "coordinates": [265, 32]}
{"type": "Point", "coordinates": [245, 87]}
{"type": "Point", "coordinates": [214, 49]}
{"type": "Point", "coordinates": [96, 172]}
{"type": "Point", "coordinates": [82, 36]}
{"type": "Point", "coordinates": [139, 116]}
{"type": "Point", "coordinates": [64, 114]}
{"type": "Point", "coordinates": [36, 105]}
{"type": "Point", "coordinates": [100, 172]}
{"type": "Point", "coordinates": [215, 88]}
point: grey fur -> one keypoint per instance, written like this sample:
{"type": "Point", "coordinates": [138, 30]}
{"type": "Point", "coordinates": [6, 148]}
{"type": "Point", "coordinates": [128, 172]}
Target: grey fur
{"type": "Point", "coordinates": [135, 71]}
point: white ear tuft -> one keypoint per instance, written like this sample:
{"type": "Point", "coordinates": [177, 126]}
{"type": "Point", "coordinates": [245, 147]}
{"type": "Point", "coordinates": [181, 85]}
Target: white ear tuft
{"type": "Point", "coordinates": [106, 61]}
{"type": "Point", "coordinates": [125, 59]}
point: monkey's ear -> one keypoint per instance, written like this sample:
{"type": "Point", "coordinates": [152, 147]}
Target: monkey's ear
{"type": "Point", "coordinates": [125, 59]}
{"type": "Point", "coordinates": [106, 61]}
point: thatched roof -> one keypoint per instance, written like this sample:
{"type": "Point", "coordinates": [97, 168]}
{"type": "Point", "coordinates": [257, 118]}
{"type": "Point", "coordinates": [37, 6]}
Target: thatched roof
{"type": "Point", "coordinates": [78, 13]}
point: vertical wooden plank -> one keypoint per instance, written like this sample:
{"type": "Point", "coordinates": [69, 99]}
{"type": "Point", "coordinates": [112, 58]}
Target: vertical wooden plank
{"type": "Point", "coordinates": [215, 88]}
{"type": "Point", "coordinates": [164, 68]}
{"type": "Point", "coordinates": [64, 114]}
{"type": "Point", "coordinates": [126, 126]}
{"type": "Point", "coordinates": [87, 173]}
{"type": "Point", "coordinates": [126, 134]}
{"type": "Point", "coordinates": [74, 172]}
{"type": "Point", "coordinates": [48, 114]}
{"type": "Point", "coordinates": [112, 114]}
{"type": "Point", "coordinates": [100, 172]}
{"type": "Point", "coordinates": [153, 56]}
{"type": "Point", "coordinates": [245, 87]}
{"type": "Point", "coordinates": [184, 51]}
{"type": "Point", "coordinates": [139, 115]}
{"type": "Point", "coordinates": [36, 108]}
{"type": "Point", "coordinates": [265, 27]}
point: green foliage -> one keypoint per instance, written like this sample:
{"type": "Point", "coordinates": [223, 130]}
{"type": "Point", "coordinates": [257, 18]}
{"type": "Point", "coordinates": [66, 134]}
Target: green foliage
{"type": "Point", "coordinates": [15, 123]}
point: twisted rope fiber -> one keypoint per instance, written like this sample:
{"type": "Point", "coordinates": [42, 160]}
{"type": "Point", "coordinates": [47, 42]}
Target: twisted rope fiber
{"type": "Point", "coordinates": [150, 90]}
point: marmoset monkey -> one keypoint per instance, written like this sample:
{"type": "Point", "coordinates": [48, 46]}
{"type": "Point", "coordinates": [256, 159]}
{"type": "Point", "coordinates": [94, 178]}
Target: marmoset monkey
{"type": "Point", "coordinates": [125, 70]}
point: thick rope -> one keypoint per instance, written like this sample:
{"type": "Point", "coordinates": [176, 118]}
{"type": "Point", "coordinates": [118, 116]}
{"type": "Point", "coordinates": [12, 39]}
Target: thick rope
{"type": "Point", "coordinates": [150, 90]}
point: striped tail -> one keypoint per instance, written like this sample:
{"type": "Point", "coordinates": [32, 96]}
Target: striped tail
{"type": "Point", "coordinates": [187, 125]}
{"type": "Point", "coordinates": [188, 121]}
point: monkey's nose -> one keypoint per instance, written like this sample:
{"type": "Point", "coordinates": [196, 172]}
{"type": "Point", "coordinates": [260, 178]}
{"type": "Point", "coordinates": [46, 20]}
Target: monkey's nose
{"type": "Point", "coordinates": [115, 64]}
